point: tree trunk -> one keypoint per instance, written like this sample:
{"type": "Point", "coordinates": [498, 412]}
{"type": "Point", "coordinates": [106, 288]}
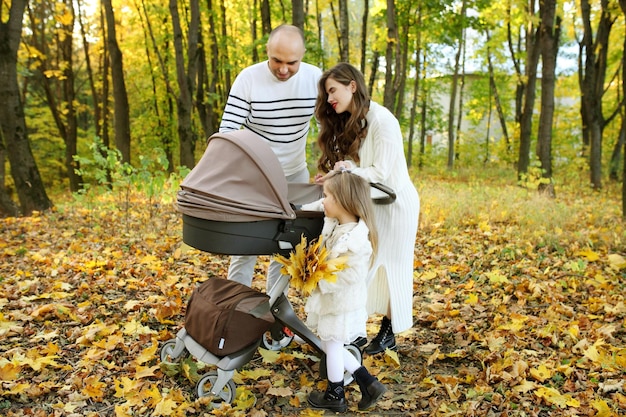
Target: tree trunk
{"type": "Point", "coordinates": [528, 105]}
{"type": "Point", "coordinates": [592, 87]}
{"type": "Point", "coordinates": [186, 79]}
{"type": "Point", "coordinates": [550, 30]}
{"type": "Point", "coordinates": [214, 78]}
{"type": "Point", "coordinates": [496, 96]}
{"type": "Point", "coordinates": [364, 40]}
{"type": "Point", "coordinates": [163, 127]}
{"type": "Point", "coordinates": [373, 72]}
{"type": "Point", "coordinates": [392, 39]}
{"type": "Point", "coordinates": [416, 85]}
{"type": "Point", "coordinates": [29, 186]}
{"type": "Point", "coordinates": [120, 96]}
{"type": "Point", "coordinates": [297, 13]}
{"type": "Point", "coordinates": [344, 31]}
{"type": "Point", "coordinates": [459, 122]}
{"type": "Point", "coordinates": [266, 20]}
{"type": "Point", "coordinates": [622, 5]}
{"type": "Point", "coordinates": [453, 94]}
{"type": "Point", "coordinates": [59, 89]}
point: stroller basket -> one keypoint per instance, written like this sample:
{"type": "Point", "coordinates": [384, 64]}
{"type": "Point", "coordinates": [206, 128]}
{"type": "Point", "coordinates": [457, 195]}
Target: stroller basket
{"type": "Point", "coordinates": [264, 237]}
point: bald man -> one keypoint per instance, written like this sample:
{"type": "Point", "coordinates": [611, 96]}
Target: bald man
{"type": "Point", "coordinates": [275, 99]}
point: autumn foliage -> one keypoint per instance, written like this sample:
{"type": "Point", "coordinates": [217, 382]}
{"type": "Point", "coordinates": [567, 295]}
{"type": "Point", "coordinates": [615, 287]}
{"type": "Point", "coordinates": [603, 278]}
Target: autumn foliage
{"type": "Point", "coordinates": [308, 264]}
{"type": "Point", "coordinates": [515, 314]}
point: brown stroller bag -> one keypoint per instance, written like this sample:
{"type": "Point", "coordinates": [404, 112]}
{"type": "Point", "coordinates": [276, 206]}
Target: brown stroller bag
{"type": "Point", "coordinates": [225, 316]}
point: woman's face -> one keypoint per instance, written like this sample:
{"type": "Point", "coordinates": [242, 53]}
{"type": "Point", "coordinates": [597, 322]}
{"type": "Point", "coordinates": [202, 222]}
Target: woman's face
{"type": "Point", "coordinates": [339, 95]}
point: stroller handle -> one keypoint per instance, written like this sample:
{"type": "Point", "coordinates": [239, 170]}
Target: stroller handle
{"type": "Point", "coordinates": [386, 199]}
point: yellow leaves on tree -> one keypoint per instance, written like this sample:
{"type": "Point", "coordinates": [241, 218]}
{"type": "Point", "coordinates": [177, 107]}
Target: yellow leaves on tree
{"type": "Point", "coordinates": [308, 264]}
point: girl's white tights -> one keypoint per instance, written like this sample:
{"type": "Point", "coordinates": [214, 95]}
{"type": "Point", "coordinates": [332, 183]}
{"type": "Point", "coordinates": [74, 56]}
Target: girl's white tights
{"type": "Point", "coordinates": [337, 360]}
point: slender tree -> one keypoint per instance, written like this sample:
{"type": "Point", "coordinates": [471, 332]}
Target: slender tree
{"type": "Point", "coordinates": [454, 88]}
{"type": "Point", "coordinates": [528, 92]}
{"type": "Point", "coordinates": [51, 29]}
{"type": "Point", "coordinates": [550, 29]}
{"type": "Point", "coordinates": [297, 13]}
{"type": "Point", "coordinates": [592, 73]}
{"type": "Point", "coordinates": [493, 87]}
{"type": "Point", "coordinates": [364, 34]}
{"type": "Point", "coordinates": [120, 95]}
{"type": "Point", "coordinates": [29, 186]}
{"type": "Point", "coordinates": [186, 75]}
{"type": "Point", "coordinates": [622, 5]}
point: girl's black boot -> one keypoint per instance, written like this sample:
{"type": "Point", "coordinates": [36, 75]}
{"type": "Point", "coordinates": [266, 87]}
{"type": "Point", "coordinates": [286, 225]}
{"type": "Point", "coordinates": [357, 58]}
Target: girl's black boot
{"type": "Point", "coordinates": [371, 388]}
{"type": "Point", "coordinates": [334, 399]}
{"type": "Point", "coordinates": [383, 340]}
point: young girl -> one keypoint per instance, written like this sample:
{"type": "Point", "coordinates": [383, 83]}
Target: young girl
{"type": "Point", "coordinates": [336, 310]}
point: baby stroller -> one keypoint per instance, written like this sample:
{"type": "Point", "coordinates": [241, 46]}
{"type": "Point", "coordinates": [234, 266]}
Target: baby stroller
{"type": "Point", "coordinates": [236, 201]}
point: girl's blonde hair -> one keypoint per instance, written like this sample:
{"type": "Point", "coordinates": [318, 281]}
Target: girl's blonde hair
{"type": "Point", "coordinates": [353, 194]}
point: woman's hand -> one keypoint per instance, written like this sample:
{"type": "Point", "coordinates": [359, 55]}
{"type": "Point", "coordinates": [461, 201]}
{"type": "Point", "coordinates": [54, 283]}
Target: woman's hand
{"type": "Point", "coordinates": [320, 178]}
{"type": "Point", "coordinates": [341, 165]}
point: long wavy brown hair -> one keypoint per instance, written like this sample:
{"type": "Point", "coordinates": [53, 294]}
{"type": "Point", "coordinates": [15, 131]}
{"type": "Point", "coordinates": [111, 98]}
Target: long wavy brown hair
{"type": "Point", "coordinates": [341, 135]}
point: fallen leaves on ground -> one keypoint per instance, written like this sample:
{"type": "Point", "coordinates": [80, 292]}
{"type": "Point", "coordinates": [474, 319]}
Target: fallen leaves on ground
{"type": "Point", "coordinates": [505, 326]}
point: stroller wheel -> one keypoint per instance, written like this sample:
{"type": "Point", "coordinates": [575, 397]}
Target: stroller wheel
{"type": "Point", "coordinates": [205, 386]}
{"type": "Point", "coordinates": [270, 343]}
{"type": "Point", "coordinates": [167, 352]}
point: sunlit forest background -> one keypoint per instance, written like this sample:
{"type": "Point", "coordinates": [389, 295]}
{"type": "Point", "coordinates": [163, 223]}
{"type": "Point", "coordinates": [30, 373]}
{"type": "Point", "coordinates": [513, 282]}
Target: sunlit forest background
{"type": "Point", "coordinates": [532, 88]}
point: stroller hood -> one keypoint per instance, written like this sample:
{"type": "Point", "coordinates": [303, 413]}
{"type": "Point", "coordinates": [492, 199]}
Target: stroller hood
{"type": "Point", "coordinates": [238, 179]}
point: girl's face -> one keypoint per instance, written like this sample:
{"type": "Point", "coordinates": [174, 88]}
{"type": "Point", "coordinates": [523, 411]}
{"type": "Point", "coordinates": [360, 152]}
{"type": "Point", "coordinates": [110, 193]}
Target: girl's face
{"type": "Point", "coordinates": [339, 95]}
{"type": "Point", "coordinates": [332, 208]}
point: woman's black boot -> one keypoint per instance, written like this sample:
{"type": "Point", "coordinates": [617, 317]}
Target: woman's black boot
{"type": "Point", "coordinates": [371, 388]}
{"type": "Point", "coordinates": [334, 399]}
{"type": "Point", "coordinates": [383, 340]}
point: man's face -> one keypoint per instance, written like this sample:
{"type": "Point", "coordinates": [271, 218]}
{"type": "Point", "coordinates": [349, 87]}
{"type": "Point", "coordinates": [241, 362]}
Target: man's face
{"type": "Point", "coordinates": [285, 52]}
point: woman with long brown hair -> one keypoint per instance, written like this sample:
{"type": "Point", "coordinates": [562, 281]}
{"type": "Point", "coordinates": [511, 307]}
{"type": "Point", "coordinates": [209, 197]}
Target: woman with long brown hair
{"type": "Point", "coordinates": [364, 137]}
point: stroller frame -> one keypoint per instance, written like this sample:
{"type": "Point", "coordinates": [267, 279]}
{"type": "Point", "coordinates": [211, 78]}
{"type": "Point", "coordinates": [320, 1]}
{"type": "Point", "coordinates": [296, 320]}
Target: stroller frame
{"type": "Point", "coordinates": [220, 383]}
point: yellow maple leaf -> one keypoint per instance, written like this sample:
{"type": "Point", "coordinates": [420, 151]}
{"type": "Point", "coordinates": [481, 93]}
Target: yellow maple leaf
{"type": "Point", "coordinates": [617, 261]}
{"type": "Point", "coordinates": [147, 354]}
{"type": "Point", "coordinates": [269, 356]}
{"type": "Point", "coordinates": [135, 328]}
{"type": "Point", "coordinates": [603, 408]}
{"type": "Point", "coordinates": [165, 407]}
{"type": "Point", "coordinates": [9, 371]}
{"type": "Point", "coordinates": [254, 374]}
{"type": "Point", "coordinates": [553, 396]}
{"type": "Point", "coordinates": [146, 371]}
{"type": "Point", "coordinates": [541, 373]}
{"type": "Point", "coordinates": [94, 388]}
{"type": "Point", "coordinates": [589, 254]}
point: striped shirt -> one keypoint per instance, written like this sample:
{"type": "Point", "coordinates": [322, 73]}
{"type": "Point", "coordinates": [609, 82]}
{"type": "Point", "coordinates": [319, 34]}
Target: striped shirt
{"type": "Point", "coordinates": [278, 111]}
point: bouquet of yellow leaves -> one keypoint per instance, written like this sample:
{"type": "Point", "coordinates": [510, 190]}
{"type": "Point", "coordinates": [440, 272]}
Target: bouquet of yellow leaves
{"type": "Point", "coordinates": [308, 264]}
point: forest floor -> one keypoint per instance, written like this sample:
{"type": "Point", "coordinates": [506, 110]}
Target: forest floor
{"type": "Point", "coordinates": [519, 308]}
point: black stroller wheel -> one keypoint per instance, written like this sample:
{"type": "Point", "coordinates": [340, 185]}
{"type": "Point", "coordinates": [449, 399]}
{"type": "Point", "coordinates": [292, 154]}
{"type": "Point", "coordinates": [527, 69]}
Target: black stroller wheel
{"type": "Point", "coordinates": [347, 376]}
{"type": "Point", "coordinates": [205, 385]}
